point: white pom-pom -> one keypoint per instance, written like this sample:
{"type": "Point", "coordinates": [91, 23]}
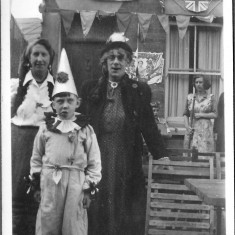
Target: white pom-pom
{"type": "Point", "coordinates": [117, 37]}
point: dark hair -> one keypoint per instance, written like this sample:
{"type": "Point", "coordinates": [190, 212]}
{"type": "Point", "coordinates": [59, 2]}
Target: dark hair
{"type": "Point", "coordinates": [206, 81]}
{"type": "Point", "coordinates": [63, 94]}
{"type": "Point", "coordinates": [25, 59]}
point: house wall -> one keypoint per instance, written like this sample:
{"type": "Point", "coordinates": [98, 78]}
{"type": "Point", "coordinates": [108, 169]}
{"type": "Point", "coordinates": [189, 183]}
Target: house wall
{"type": "Point", "coordinates": [18, 44]}
{"type": "Point", "coordinates": [84, 53]}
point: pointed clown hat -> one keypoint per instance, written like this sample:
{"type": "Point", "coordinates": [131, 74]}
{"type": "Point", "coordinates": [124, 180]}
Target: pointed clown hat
{"type": "Point", "coordinates": [64, 78]}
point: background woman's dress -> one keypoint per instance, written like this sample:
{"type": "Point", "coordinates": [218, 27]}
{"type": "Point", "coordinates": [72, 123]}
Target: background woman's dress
{"type": "Point", "coordinates": [203, 137]}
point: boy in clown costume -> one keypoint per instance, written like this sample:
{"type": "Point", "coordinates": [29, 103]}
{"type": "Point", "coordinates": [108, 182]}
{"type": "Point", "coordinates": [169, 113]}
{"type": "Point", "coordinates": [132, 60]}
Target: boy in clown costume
{"type": "Point", "coordinates": [67, 157]}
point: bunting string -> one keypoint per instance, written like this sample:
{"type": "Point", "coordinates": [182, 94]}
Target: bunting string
{"type": "Point", "coordinates": [123, 20]}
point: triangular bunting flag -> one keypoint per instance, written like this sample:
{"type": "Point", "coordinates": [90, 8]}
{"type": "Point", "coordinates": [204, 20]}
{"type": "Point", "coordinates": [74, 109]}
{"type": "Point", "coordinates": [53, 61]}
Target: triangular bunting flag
{"type": "Point", "coordinates": [67, 18]}
{"type": "Point", "coordinates": [87, 18]}
{"type": "Point", "coordinates": [144, 21]}
{"type": "Point", "coordinates": [182, 23]}
{"type": "Point", "coordinates": [123, 21]}
{"type": "Point", "coordinates": [164, 20]}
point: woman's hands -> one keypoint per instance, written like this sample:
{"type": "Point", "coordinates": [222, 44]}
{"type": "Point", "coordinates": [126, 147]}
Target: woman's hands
{"type": "Point", "coordinates": [190, 130]}
{"type": "Point", "coordinates": [198, 115]}
{"type": "Point", "coordinates": [205, 115]}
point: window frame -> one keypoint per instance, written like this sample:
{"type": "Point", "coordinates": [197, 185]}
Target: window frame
{"type": "Point", "coordinates": [190, 71]}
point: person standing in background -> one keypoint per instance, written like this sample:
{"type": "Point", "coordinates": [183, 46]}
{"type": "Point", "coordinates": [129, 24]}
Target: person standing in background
{"type": "Point", "coordinates": [200, 135]}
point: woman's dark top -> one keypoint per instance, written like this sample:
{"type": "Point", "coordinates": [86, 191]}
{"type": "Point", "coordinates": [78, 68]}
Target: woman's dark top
{"type": "Point", "coordinates": [120, 118]}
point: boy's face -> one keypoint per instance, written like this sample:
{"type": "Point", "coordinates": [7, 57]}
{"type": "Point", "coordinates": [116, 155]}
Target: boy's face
{"type": "Point", "coordinates": [66, 106]}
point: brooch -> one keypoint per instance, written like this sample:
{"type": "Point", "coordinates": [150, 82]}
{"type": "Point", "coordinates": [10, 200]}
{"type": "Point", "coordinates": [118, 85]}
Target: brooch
{"type": "Point", "coordinates": [134, 85]}
{"type": "Point", "coordinates": [113, 84]}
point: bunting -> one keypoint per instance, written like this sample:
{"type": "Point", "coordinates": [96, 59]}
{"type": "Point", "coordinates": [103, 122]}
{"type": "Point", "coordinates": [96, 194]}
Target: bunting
{"type": "Point", "coordinates": [182, 23]}
{"type": "Point", "coordinates": [164, 20]}
{"type": "Point", "coordinates": [144, 21]}
{"type": "Point", "coordinates": [67, 18]}
{"type": "Point", "coordinates": [87, 18]}
{"type": "Point", "coordinates": [197, 5]}
{"type": "Point", "coordinates": [123, 21]}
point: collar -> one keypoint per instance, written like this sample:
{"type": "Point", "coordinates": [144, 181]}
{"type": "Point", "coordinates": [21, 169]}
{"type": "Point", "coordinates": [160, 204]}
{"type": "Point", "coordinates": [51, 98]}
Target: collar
{"type": "Point", "coordinates": [55, 124]}
{"type": "Point", "coordinates": [65, 126]}
{"type": "Point", "coordinates": [29, 77]}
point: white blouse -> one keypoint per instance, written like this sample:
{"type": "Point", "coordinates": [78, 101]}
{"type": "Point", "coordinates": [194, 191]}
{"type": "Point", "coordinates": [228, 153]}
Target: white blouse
{"type": "Point", "coordinates": [35, 103]}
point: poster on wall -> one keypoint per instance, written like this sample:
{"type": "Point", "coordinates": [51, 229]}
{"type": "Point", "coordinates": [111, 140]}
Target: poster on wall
{"type": "Point", "coordinates": [146, 67]}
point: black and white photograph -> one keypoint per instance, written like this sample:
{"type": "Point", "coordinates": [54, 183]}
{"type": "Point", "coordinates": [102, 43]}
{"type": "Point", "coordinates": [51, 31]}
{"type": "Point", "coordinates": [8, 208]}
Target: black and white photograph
{"type": "Point", "coordinates": [117, 117]}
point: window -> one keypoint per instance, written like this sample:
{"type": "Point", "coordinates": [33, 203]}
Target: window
{"type": "Point", "coordinates": [199, 52]}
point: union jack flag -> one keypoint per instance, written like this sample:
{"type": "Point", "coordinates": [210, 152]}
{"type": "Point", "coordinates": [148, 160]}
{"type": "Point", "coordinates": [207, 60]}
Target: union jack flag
{"type": "Point", "coordinates": [197, 5]}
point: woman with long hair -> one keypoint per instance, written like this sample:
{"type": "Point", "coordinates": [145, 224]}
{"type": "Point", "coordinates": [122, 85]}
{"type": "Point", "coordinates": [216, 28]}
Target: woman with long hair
{"type": "Point", "coordinates": [33, 98]}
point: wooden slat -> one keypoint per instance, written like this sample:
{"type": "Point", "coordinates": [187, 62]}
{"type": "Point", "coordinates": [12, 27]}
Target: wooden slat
{"type": "Point", "coordinates": [166, 187]}
{"type": "Point", "coordinates": [179, 215]}
{"type": "Point", "coordinates": [211, 168]}
{"type": "Point", "coordinates": [178, 150]}
{"type": "Point", "coordinates": [180, 163]}
{"type": "Point", "coordinates": [182, 172]}
{"type": "Point", "coordinates": [148, 193]}
{"type": "Point", "coordinates": [179, 206]}
{"type": "Point", "coordinates": [184, 224]}
{"type": "Point", "coordinates": [172, 196]}
{"type": "Point", "coordinates": [169, 186]}
{"type": "Point", "coordinates": [174, 232]}
{"type": "Point", "coordinates": [218, 166]}
{"type": "Point", "coordinates": [179, 158]}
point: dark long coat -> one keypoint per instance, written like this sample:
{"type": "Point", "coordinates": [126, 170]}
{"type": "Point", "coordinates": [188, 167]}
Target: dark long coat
{"type": "Point", "coordinates": [139, 123]}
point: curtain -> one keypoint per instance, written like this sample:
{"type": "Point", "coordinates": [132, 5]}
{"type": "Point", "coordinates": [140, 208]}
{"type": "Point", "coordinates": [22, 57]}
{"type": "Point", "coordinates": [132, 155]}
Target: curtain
{"type": "Point", "coordinates": [208, 59]}
{"type": "Point", "coordinates": [178, 84]}
{"type": "Point", "coordinates": [209, 47]}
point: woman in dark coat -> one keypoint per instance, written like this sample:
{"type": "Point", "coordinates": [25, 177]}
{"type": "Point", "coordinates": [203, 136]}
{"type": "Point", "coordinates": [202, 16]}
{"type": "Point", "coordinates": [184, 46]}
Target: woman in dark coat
{"type": "Point", "coordinates": [33, 98]}
{"type": "Point", "coordinates": [121, 115]}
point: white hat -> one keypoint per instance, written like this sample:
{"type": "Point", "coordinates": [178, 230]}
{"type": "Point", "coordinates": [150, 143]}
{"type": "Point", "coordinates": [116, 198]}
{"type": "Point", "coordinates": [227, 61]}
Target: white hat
{"type": "Point", "coordinates": [64, 79]}
{"type": "Point", "coordinates": [116, 40]}
{"type": "Point", "coordinates": [117, 37]}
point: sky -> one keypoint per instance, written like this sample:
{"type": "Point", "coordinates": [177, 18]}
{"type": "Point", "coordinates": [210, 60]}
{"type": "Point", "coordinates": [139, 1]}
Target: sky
{"type": "Point", "coordinates": [25, 8]}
